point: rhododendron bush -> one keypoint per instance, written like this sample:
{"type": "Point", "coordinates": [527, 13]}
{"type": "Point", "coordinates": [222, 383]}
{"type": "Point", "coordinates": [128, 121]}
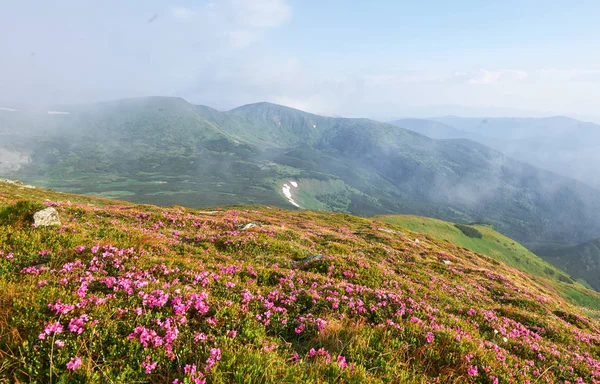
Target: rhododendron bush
{"type": "Point", "coordinates": [124, 293]}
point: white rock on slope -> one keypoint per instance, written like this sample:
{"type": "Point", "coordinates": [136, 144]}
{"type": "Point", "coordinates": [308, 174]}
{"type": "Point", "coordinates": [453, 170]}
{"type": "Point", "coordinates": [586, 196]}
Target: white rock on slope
{"type": "Point", "coordinates": [46, 217]}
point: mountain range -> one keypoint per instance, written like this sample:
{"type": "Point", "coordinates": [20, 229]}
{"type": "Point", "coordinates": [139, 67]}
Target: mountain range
{"type": "Point", "coordinates": [167, 151]}
{"type": "Point", "coordinates": [559, 144]}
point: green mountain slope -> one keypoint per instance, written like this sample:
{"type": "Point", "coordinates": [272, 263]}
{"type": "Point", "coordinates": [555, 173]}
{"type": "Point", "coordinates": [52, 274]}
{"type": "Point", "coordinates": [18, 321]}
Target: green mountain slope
{"type": "Point", "coordinates": [581, 261]}
{"type": "Point", "coordinates": [166, 151]}
{"type": "Point", "coordinates": [131, 293]}
{"type": "Point", "coordinates": [485, 240]}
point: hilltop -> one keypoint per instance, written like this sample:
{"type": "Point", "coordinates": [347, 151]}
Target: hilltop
{"type": "Point", "coordinates": [166, 151]}
{"type": "Point", "coordinates": [123, 292]}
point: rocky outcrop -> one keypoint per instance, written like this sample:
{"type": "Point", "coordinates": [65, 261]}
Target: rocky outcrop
{"type": "Point", "coordinates": [46, 217]}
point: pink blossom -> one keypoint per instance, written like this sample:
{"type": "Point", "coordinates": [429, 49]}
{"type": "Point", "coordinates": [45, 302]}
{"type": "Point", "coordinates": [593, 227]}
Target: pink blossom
{"type": "Point", "coordinates": [429, 337]}
{"type": "Point", "coordinates": [341, 360]}
{"type": "Point", "coordinates": [76, 325]}
{"type": "Point", "coordinates": [74, 363]}
{"type": "Point", "coordinates": [51, 329]}
{"type": "Point", "coordinates": [215, 353]}
{"type": "Point", "coordinates": [200, 337]}
{"type": "Point", "coordinates": [472, 370]}
{"type": "Point", "coordinates": [148, 365]}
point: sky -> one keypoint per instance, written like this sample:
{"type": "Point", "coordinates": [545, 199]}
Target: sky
{"type": "Point", "coordinates": [379, 59]}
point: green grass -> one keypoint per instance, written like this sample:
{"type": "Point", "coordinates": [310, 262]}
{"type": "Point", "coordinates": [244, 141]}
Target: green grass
{"type": "Point", "coordinates": [144, 294]}
{"type": "Point", "coordinates": [501, 248]}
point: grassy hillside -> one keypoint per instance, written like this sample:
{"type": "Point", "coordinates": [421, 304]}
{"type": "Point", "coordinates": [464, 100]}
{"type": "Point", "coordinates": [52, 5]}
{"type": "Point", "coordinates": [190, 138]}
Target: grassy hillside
{"type": "Point", "coordinates": [166, 151]}
{"type": "Point", "coordinates": [499, 247]}
{"type": "Point", "coordinates": [138, 293]}
{"type": "Point", "coordinates": [581, 261]}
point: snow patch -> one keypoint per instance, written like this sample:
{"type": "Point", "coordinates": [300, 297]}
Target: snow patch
{"type": "Point", "coordinates": [314, 125]}
{"type": "Point", "coordinates": [8, 109]}
{"type": "Point", "coordinates": [58, 113]}
{"type": "Point", "coordinates": [287, 192]}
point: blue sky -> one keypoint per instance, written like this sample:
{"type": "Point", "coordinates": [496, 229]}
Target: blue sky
{"type": "Point", "coordinates": [379, 59]}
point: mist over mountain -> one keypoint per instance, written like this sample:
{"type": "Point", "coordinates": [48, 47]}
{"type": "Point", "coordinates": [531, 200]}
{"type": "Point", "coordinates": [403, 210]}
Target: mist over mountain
{"type": "Point", "coordinates": [559, 144]}
{"type": "Point", "coordinates": [170, 152]}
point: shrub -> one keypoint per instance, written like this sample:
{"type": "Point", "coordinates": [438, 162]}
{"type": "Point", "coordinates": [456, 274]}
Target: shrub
{"type": "Point", "coordinates": [20, 214]}
{"type": "Point", "coordinates": [469, 231]}
{"type": "Point", "coordinates": [565, 279]}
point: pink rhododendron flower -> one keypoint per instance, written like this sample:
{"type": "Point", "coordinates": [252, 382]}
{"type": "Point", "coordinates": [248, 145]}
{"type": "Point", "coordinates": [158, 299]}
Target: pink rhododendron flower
{"type": "Point", "coordinates": [429, 337]}
{"type": "Point", "coordinates": [472, 370]}
{"type": "Point", "coordinates": [74, 363]}
{"type": "Point", "coordinates": [149, 365]}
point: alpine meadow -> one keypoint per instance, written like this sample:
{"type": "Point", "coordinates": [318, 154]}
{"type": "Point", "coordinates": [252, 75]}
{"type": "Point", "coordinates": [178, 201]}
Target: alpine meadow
{"type": "Point", "coordinates": [299, 192]}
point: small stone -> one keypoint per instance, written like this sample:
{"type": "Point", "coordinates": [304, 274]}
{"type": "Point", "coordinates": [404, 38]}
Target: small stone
{"type": "Point", "coordinates": [307, 260]}
{"type": "Point", "coordinates": [393, 232]}
{"type": "Point", "coordinates": [46, 217]}
{"type": "Point", "coordinates": [447, 262]}
{"type": "Point", "coordinates": [244, 227]}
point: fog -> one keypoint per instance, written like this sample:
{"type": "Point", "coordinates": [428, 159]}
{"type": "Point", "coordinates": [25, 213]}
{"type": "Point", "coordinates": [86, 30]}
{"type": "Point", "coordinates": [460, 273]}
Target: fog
{"type": "Point", "coordinates": [231, 52]}
{"type": "Point", "coordinates": [563, 145]}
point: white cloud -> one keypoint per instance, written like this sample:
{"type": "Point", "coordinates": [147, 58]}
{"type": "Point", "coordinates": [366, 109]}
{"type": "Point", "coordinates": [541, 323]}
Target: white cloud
{"type": "Point", "coordinates": [494, 77]}
{"type": "Point", "coordinates": [182, 13]}
{"type": "Point", "coordinates": [241, 22]}
{"type": "Point", "coordinates": [569, 75]}
{"type": "Point", "coordinates": [485, 77]}
{"type": "Point", "coordinates": [260, 13]}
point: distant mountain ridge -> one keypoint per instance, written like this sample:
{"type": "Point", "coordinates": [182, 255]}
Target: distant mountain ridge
{"type": "Point", "coordinates": [167, 151]}
{"type": "Point", "coordinates": [559, 144]}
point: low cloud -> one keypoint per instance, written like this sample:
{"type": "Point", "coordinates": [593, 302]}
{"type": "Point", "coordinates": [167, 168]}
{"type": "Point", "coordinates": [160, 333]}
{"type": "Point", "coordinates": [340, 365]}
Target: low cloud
{"type": "Point", "coordinates": [218, 53]}
{"type": "Point", "coordinates": [494, 77]}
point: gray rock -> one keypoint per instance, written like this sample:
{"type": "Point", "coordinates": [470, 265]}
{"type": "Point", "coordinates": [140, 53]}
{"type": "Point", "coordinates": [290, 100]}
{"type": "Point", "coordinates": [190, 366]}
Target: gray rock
{"type": "Point", "coordinates": [243, 227]}
{"type": "Point", "coordinates": [392, 231]}
{"type": "Point", "coordinates": [46, 217]}
{"type": "Point", "coordinates": [447, 262]}
{"type": "Point", "coordinates": [307, 260]}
